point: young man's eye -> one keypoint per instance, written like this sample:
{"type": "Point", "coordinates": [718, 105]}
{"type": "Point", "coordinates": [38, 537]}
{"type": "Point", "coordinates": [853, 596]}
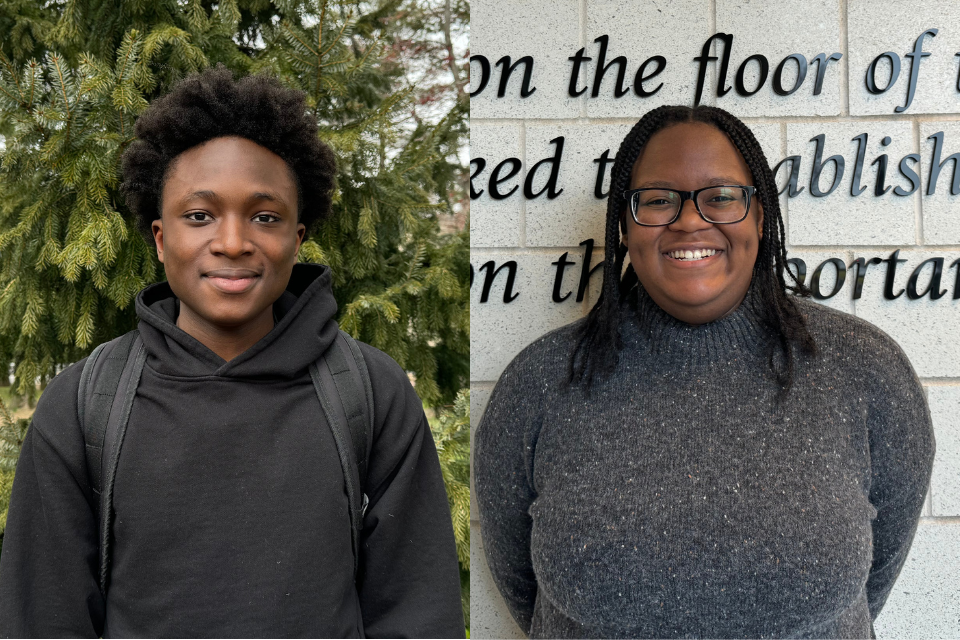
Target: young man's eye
{"type": "Point", "coordinates": [198, 216]}
{"type": "Point", "coordinates": [265, 217]}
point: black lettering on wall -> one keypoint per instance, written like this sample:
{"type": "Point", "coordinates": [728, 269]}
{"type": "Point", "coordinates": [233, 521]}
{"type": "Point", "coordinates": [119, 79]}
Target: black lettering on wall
{"type": "Point", "coordinates": [484, 73]}
{"type": "Point", "coordinates": [933, 287]}
{"type": "Point", "coordinates": [705, 57]}
{"type": "Point", "coordinates": [956, 283]}
{"type": "Point", "coordinates": [871, 78]}
{"type": "Point", "coordinates": [577, 59]}
{"type": "Point", "coordinates": [818, 169]}
{"type": "Point", "coordinates": [936, 166]}
{"type": "Point", "coordinates": [481, 165]}
{"type": "Point", "coordinates": [855, 188]}
{"type": "Point", "coordinates": [909, 174]}
{"type": "Point", "coordinates": [794, 176]}
{"type": "Point", "coordinates": [800, 276]}
{"type": "Point", "coordinates": [892, 263]}
{"type": "Point", "coordinates": [881, 188]}
{"type": "Point", "coordinates": [841, 276]}
{"type": "Point", "coordinates": [801, 74]}
{"type": "Point", "coordinates": [602, 161]}
{"type": "Point", "coordinates": [860, 269]}
{"type": "Point", "coordinates": [822, 61]}
{"type": "Point", "coordinates": [562, 263]}
{"type": "Point", "coordinates": [642, 77]}
{"type": "Point", "coordinates": [507, 69]}
{"type": "Point", "coordinates": [762, 76]}
{"type": "Point", "coordinates": [551, 186]}
{"type": "Point", "coordinates": [492, 270]}
{"type": "Point", "coordinates": [602, 65]}
{"type": "Point", "coordinates": [916, 56]}
{"type": "Point", "coordinates": [496, 179]}
{"type": "Point", "coordinates": [585, 269]}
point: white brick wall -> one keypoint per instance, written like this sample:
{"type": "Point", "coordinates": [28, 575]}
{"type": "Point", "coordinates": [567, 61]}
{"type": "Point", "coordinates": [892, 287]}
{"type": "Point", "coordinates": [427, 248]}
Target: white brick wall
{"type": "Point", "coordinates": [536, 232]}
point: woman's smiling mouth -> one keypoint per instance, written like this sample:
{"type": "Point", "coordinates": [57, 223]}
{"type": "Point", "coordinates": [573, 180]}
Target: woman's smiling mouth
{"type": "Point", "coordinates": [691, 255]}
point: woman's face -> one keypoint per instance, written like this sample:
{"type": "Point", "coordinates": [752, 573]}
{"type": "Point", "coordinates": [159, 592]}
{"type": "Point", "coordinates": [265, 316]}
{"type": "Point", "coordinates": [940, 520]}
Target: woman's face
{"type": "Point", "coordinates": [686, 157]}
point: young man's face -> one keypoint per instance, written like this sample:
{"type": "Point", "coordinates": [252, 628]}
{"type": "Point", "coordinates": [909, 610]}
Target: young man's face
{"type": "Point", "coordinates": [228, 234]}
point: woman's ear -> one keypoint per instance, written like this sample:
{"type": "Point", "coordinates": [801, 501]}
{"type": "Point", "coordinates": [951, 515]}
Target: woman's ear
{"type": "Point", "coordinates": [760, 218]}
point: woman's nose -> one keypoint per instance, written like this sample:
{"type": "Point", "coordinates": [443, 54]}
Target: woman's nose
{"type": "Point", "coordinates": [689, 219]}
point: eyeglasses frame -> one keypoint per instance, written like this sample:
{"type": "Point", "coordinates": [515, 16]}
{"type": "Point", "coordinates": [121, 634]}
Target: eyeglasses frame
{"type": "Point", "coordinates": [688, 195]}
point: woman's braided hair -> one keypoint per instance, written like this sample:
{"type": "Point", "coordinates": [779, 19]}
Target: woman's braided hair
{"type": "Point", "coordinates": [598, 344]}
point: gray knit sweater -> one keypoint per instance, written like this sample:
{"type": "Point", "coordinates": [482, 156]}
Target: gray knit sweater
{"type": "Point", "coordinates": [681, 500]}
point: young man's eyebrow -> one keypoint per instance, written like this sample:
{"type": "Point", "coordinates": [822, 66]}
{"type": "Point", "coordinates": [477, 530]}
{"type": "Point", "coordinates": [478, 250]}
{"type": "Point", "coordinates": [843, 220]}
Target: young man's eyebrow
{"type": "Point", "coordinates": [272, 196]}
{"type": "Point", "coordinates": [207, 194]}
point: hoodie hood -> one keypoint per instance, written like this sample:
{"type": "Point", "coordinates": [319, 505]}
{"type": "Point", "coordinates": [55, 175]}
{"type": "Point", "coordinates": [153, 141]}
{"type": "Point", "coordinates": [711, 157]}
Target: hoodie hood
{"type": "Point", "coordinates": [304, 329]}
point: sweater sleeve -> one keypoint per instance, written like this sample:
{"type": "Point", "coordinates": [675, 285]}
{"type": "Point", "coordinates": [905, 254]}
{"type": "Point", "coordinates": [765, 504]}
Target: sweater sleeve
{"type": "Point", "coordinates": [48, 583]}
{"type": "Point", "coordinates": [901, 460]}
{"type": "Point", "coordinates": [503, 468]}
{"type": "Point", "coordinates": [409, 576]}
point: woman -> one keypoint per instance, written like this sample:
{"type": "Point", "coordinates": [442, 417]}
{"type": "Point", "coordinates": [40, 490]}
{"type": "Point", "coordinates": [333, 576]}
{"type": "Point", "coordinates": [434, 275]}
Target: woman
{"type": "Point", "coordinates": [703, 455]}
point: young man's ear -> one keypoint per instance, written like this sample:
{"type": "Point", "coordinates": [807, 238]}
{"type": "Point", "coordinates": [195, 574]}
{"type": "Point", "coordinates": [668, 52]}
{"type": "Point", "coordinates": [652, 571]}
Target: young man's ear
{"type": "Point", "coordinates": [301, 233]}
{"type": "Point", "coordinates": [157, 227]}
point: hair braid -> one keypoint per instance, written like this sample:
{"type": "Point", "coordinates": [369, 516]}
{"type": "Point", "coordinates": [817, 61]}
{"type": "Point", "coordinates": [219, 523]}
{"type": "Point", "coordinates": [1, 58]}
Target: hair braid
{"type": "Point", "coordinates": [597, 351]}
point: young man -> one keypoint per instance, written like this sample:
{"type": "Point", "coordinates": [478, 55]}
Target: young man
{"type": "Point", "coordinates": [231, 514]}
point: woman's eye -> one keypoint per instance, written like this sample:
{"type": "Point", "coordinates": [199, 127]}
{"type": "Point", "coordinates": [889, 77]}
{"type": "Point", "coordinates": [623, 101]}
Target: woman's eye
{"type": "Point", "coordinates": [657, 202]}
{"type": "Point", "coordinates": [266, 217]}
{"type": "Point", "coordinates": [197, 216]}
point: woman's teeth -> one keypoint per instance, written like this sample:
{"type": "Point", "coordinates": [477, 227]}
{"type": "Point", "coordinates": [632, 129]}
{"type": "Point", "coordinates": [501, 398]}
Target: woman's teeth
{"type": "Point", "coordinates": [697, 254]}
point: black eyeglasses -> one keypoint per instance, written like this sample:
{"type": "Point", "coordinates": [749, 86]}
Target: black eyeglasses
{"type": "Point", "coordinates": [722, 204]}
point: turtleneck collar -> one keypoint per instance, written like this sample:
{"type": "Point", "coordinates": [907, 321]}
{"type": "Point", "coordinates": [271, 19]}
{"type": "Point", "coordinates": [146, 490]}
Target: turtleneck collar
{"type": "Point", "coordinates": [646, 326]}
{"type": "Point", "coordinates": [305, 327]}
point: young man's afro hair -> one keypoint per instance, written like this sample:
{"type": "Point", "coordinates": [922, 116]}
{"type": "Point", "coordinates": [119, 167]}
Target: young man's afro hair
{"type": "Point", "coordinates": [212, 105]}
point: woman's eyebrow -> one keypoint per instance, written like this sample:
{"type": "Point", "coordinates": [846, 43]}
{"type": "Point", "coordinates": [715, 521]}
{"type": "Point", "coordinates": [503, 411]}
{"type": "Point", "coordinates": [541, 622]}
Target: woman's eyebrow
{"type": "Point", "coordinates": [663, 184]}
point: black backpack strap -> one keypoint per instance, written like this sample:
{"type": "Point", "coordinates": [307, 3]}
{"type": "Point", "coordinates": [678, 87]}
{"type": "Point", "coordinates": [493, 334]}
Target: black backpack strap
{"type": "Point", "coordinates": [342, 383]}
{"type": "Point", "coordinates": [108, 385]}
{"type": "Point", "coordinates": [361, 430]}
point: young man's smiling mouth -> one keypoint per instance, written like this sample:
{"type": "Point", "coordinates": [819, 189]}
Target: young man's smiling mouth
{"type": "Point", "coordinates": [232, 280]}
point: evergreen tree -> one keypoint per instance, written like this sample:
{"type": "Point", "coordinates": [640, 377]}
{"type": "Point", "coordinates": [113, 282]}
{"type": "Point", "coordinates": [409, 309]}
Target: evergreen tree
{"type": "Point", "coordinates": [451, 432]}
{"type": "Point", "coordinates": [74, 76]}
{"type": "Point", "coordinates": [70, 262]}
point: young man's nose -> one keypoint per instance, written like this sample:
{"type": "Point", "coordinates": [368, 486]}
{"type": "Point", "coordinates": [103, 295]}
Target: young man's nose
{"type": "Point", "coordinates": [232, 237]}
{"type": "Point", "coordinates": [689, 219]}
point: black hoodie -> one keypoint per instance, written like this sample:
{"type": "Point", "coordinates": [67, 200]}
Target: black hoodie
{"type": "Point", "coordinates": [231, 510]}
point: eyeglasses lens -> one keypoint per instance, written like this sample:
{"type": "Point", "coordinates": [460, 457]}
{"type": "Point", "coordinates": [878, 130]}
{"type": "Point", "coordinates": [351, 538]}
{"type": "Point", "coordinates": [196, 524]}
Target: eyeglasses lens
{"type": "Point", "coordinates": [723, 204]}
{"type": "Point", "coordinates": [718, 204]}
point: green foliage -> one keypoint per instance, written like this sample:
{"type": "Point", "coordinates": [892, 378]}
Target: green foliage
{"type": "Point", "coordinates": [76, 74]}
{"type": "Point", "coordinates": [70, 263]}
{"type": "Point", "coordinates": [12, 432]}
{"type": "Point", "coordinates": [451, 432]}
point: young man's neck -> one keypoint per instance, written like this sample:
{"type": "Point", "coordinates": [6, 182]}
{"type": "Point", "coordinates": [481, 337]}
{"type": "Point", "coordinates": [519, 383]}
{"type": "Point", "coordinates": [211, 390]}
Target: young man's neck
{"type": "Point", "coordinates": [226, 342]}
